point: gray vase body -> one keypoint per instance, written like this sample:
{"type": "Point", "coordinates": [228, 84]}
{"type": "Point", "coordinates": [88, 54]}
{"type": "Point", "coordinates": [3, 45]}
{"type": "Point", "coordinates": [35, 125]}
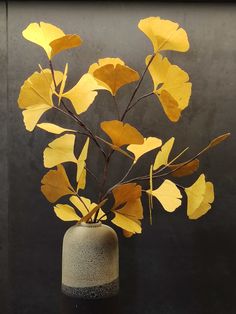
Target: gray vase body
{"type": "Point", "coordinates": [90, 261]}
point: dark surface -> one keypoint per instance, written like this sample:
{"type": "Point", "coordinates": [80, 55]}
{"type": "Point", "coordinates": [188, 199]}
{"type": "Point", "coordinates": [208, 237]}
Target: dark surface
{"type": "Point", "coordinates": [176, 266]}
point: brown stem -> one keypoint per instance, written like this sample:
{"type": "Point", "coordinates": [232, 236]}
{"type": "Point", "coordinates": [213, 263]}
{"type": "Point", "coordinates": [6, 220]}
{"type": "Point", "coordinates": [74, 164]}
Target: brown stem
{"type": "Point", "coordinates": [142, 97]}
{"type": "Point", "coordinates": [75, 117]}
{"type": "Point", "coordinates": [137, 86]}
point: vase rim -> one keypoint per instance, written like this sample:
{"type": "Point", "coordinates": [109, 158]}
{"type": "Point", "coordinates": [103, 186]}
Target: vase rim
{"type": "Point", "coordinates": [91, 224]}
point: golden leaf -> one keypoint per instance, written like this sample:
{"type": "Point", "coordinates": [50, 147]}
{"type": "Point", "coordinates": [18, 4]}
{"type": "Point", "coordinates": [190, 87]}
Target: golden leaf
{"type": "Point", "coordinates": [56, 184]}
{"type": "Point", "coordinates": [127, 196]}
{"type": "Point", "coordinates": [36, 96]}
{"type": "Point", "coordinates": [83, 93]}
{"type": "Point", "coordinates": [63, 83]}
{"type": "Point", "coordinates": [164, 34]}
{"type": "Point", "coordinates": [84, 205]}
{"type": "Point", "coordinates": [175, 91]}
{"type": "Point", "coordinates": [121, 133]}
{"type": "Point", "coordinates": [115, 76]}
{"type": "Point", "coordinates": [200, 196]}
{"type": "Point", "coordinates": [112, 73]}
{"type": "Point", "coordinates": [185, 170]}
{"type": "Point", "coordinates": [93, 211]}
{"type": "Point", "coordinates": [51, 38]}
{"type": "Point", "coordinates": [149, 144]}
{"type": "Point", "coordinates": [66, 212]}
{"type": "Point", "coordinates": [60, 150]}
{"type": "Point", "coordinates": [163, 155]}
{"type": "Point", "coordinates": [63, 43]}
{"type": "Point", "coordinates": [81, 171]}
{"type": "Point", "coordinates": [53, 128]}
{"type": "Point", "coordinates": [168, 195]}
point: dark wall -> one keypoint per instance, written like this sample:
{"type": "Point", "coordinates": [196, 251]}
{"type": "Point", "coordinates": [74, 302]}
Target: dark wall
{"type": "Point", "coordinates": [176, 265]}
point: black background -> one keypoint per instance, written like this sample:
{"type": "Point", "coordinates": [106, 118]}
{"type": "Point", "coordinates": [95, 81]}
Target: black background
{"type": "Point", "coordinates": [176, 265]}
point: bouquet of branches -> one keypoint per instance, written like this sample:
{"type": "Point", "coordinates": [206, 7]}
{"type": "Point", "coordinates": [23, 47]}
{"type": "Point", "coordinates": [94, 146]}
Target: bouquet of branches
{"type": "Point", "coordinates": [46, 90]}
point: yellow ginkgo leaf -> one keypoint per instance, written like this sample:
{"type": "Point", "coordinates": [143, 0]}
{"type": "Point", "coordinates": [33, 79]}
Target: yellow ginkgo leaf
{"type": "Point", "coordinates": [44, 34]}
{"type": "Point", "coordinates": [56, 184]}
{"type": "Point", "coordinates": [175, 89]}
{"type": "Point", "coordinates": [168, 195]}
{"type": "Point", "coordinates": [164, 34]}
{"type": "Point", "coordinates": [81, 171]}
{"type": "Point", "coordinates": [60, 150]}
{"type": "Point", "coordinates": [36, 96]}
{"type": "Point", "coordinates": [121, 133]}
{"type": "Point", "coordinates": [84, 205]}
{"type": "Point", "coordinates": [66, 212]}
{"type": "Point", "coordinates": [114, 74]}
{"type": "Point", "coordinates": [128, 208]}
{"type": "Point", "coordinates": [149, 144]}
{"type": "Point", "coordinates": [184, 170]}
{"type": "Point", "coordinates": [53, 128]}
{"type": "Point", "coordinates": [63, 43]}
{"type": "Point", "coordinates": [163, 155]}
{"type": "Point", "coordinates": [83, 93]}
{"type": "Point", "coordinates": [199, 197]}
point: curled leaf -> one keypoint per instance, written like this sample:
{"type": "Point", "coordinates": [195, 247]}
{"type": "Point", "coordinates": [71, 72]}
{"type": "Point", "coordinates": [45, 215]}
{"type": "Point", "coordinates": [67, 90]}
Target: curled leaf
{"type": "Point", "coordinates": [218, 140]}
{"type": "Point", "coordinates": [200, 196]}
{"type": "Point", "coordinates": [56, 184]}
{"type": "Point", "coordinates": [51, 38]}
{"type": "Point", "coordinates": [60, 150]}
{"type": "Point", "coordinates": [171, 86]}
{"type": "Point", "coordinates": [149, 144]}
{"type": "Point", "coordinates": [163, 155]}
{"type": "Point", "coordinates": [164, 34]}
{"type": "Point", "coordinates": [185, 170]}
{"type": "Point", "coordinates": [53, 128]}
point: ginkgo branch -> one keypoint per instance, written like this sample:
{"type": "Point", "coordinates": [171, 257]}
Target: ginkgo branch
{"type": "Point", "coordinates": [137, 86]}
{"type": "Point", "coordinates": [140, 98]}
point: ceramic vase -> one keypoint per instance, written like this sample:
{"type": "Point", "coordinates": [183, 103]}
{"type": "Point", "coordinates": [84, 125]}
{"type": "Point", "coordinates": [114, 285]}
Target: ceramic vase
{"type": "Point", "coordinates": [90, 261]}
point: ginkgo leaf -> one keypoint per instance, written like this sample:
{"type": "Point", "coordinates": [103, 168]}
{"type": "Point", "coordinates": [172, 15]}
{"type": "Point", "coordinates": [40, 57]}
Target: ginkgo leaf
{"type": "Point", "coordinates": [149, 144]}
{"type": "Point", "coordinates": [168, 195]}
{"type": "Point", "coordinates": [184, 169]}
{"type": "Point", "coordinates": [36, 96]}
{"type": "Point", "coordinates": [56, 184]}
{"type": "Point", "coordinates": [60, 150]}
{"type": "Point", "coordinates": [81, 171]}
{"type": "Point", "coordinates": [126, 193]}
{"type": "Point", "coordinates": [84, 205]}
{"type": "Point", "coordinates": [163, 155]}
{"type": "Point", "coordinates": [63, 43]}
{"type": "Point", "coordinates": [164, 34]}
{"type": "Point", "coordinates": [51, 38]}
{"type": "Point", "coordinates": [127, 207]}
{"type": "Point", "coordinates": [83, 93]}
{"type": "Point", "coordinates": [53, 128]}
{"type": "Point", "coordinates": [66, 212]}
{"type": "Point", "coordinates": [112, 74]}
{"type": "Point", "coordinates": [121, 133]}
{"type": "Point", "coordinates": [93, 211]}
{"type": "Point", "coordinates": [200, 195]}
{"type": "Point", "coordinates": [175, 89]}
{"type": "Point", "coordinates": [128, 217]}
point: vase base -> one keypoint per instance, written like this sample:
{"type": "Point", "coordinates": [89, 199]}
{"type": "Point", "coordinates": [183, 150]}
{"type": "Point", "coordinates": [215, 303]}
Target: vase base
{"type": "Point", "coordinates": [91, 293]}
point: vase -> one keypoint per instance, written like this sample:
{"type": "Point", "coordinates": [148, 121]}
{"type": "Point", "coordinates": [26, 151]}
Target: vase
{"type": "Point", "coordinates": [90, 261]}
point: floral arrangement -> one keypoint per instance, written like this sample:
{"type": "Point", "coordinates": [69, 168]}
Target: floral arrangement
{"type": "Point", "coordinates": [172, 89]}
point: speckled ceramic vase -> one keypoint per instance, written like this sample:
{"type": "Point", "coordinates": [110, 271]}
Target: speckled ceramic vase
{"type": "Point", "coordinates": [90, 261]}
